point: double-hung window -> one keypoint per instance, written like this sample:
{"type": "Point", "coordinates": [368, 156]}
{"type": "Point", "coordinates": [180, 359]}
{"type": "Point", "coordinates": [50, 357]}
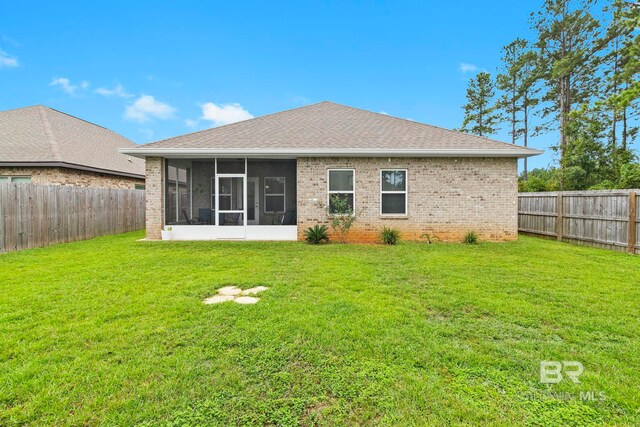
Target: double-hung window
{"type": "Point", "coordinates": [393, 192]}
{"type": "Point", "coordinates": [341, 187]}
{"type": "Point", "coordinates": [274, 194]}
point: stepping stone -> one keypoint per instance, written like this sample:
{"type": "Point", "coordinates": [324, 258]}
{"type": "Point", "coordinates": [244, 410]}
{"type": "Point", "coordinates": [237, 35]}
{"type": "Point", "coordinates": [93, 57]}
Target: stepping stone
{"type": "Point", "coordinates": [246, 300]}
{"type": "Point", "coordinates": [216, 299]}
{"type": "Point", "coordinates": [229, 290]}
{"type": "Point", "coordinates": [253, 291]}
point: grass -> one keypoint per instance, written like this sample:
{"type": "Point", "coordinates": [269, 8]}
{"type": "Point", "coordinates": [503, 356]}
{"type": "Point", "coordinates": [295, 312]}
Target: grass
{"type": "Point", "coordinates": [112, 331]}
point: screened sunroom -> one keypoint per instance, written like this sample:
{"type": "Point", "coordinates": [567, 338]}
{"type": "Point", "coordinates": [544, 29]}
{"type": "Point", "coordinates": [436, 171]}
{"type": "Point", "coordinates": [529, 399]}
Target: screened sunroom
{"type": "Point", "coordinates": [230, 198]}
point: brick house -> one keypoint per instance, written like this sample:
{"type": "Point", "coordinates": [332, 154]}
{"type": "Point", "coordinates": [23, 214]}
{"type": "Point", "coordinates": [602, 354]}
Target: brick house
{"type": "Point", "coordinates": [45, 146]}
{"type": "Point", "coordinates": [271, 177]}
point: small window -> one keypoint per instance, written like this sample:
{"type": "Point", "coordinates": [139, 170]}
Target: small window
{"type": "Point", "coordinates": [274, 194]}
{"type": "Point", "coordinates": [393, 192]}
{"type": "Point", "coordinates": [341, 185]}
{"type": "Point", "coordinates": [15, 179]}
{"type": "Point", "coordinates": [139, 186]}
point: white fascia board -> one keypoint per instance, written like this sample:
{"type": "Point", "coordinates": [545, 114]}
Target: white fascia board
{"type": "Point", "coordinates": [182, 153]}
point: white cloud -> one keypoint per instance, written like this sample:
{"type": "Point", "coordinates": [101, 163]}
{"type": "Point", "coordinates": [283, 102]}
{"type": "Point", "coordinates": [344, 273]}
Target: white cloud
{"type": "Point", "coordinates": [65, 85]}
{"type": "Point", "coordinates": [384, 112]}
{"type": "Point", "coordinates": [7, 61]}
{"type": "Point", "coordinates": [146, 107]}
{"type": "Point", "coordinates": [191, 123]}
{"type": "Point", "coordinates": [468, 68]}
{"type": "Point", "coordinates": [117, 91]}
{"type": "Point", "coordinates": [224, 114]}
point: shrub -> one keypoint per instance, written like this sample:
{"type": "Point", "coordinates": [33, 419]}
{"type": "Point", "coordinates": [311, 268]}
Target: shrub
{"type": "Point", "coordinates": [342, 216]}
{"type": "Point", "coordinates": [428, 238]}
{"type": "Point", "coordinates": [389, 236]}
{"type": "Point", "coordinates": [316, 234]}
{"type": "Point", "coordinates": [471, 238]}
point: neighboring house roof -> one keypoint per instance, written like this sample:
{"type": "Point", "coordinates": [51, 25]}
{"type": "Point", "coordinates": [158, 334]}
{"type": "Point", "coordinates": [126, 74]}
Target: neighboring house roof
{"type": "Point", "coordinates": [42, 136]}
{"type": "Point", "coordinates": [329, 129]}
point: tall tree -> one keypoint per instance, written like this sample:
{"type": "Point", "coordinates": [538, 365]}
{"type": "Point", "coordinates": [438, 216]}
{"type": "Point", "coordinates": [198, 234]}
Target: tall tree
{"type": "Point", "coordinates": [517, 81]}
{"type": "Point", "coordinates": [480, 117]}
{"type": "Point", "coordinates": [622, 72]}
{"type": "Point", "coordinates": [567, 61]}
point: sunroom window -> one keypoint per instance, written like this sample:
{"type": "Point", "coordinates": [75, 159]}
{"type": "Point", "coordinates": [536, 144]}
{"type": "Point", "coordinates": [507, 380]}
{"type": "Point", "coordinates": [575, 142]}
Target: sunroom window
{"type": "Point", "coordinates": [341, 185]}
{"type": "Point", "coordinates": [393, 192]}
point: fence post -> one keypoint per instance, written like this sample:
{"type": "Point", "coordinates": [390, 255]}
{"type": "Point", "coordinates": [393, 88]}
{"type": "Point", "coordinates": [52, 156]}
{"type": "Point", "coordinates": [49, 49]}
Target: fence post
{"type": "Point", "coordinates": [559, 216]}
{"type": "Point", "coordinates": [632, 222]}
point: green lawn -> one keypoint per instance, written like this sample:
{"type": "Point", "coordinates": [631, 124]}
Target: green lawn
{"type": "Point", "coordinates": [112, 331]}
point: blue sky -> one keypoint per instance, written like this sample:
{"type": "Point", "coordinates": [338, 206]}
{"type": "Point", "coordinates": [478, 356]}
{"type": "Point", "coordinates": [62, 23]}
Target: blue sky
{"type": "Point", "coordinates": [151, 70]}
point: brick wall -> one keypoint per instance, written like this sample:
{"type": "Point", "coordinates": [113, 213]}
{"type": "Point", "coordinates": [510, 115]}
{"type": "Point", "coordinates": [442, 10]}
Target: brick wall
{"type": "Point", "coordinates": [447, 196]}
{"type": "Point", "coordinates": [65, 176]}
{"type": "Point", "coordinates": [154, 197]}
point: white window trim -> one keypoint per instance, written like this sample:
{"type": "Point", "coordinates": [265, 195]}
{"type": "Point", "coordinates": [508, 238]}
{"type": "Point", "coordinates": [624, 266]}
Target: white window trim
{"type": "Point", "coordinates": [329, 192]}
{"type": "Point", "coordinates": [283, 194]}
{"type": "Point", "coordinates": [405, 192]}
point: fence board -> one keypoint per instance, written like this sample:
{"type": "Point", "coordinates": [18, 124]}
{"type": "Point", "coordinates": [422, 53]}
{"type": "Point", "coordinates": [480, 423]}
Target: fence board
{"type": "Point", "coordinates": [34, 215]}
{"type": "Point", "coordinates": [603, 219]}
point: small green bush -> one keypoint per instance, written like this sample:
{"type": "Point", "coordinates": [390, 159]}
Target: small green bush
{"type": "Point", "coordinates": [389, 236]}
{"type": "Point", "coordinates": [428, 238]}
{"type": "Point", "coordinates": [316, 234]}
{"type": "Point", "coordinates": [471, 238]}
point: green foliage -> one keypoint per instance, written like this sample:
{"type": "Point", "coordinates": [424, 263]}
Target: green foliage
{"type": "Point", "coordinates": [316, 234]}
{"type": "Point", "coordinates": [389, 236]}
{"type": "Point", "coordinates": [630, 176]}
{"type": "Point", "coordinates": [429, 238]}
{"type": "Point", "coordinates": [480, 117]}
{"type": "Point", "coordinates": [540, 180]}
{"type": "Point", "coordinates": [517, 84]}
{"type": "Point", "coordinates": [344, 336]}
{"type": "Point", "coordinates": [579, 76]}
{"type": "Point", "coordinates": [342, 216]}
{"type": "Point", "coordinates": [471, 238]}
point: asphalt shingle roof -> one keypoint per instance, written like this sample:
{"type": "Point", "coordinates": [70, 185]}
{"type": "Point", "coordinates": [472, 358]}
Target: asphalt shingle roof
{"type": "Point", "coordinates": [41, 134]}
{"type": "Point", "coordinates": [327, 125]}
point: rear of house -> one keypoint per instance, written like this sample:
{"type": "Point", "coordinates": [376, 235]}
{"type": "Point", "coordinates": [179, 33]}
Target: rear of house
{"type": "Point", "coordinates": [45, 146]}
{"type": "Point", "coordinates": [271, 177]}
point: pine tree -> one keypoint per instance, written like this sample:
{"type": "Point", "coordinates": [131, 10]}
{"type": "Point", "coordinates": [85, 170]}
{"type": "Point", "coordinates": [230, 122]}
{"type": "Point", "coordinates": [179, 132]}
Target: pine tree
{"type": "Point", "coordinates": [480, 117]}
{"type": "Point", "coordinates": [517, 81]}
{"type": "Point", "coordinates": [622, 71]}
{"type": "Point", "coordinates": [568, 62]}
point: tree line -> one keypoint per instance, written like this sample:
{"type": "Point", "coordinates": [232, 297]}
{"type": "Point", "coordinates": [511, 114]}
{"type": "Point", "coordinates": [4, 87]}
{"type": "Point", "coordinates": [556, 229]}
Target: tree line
{"type": "Point", "coordinates": [578, 78]}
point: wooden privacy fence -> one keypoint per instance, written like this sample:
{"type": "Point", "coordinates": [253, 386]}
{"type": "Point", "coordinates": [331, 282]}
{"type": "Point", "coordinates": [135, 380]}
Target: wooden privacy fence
{"type": "Point", "coordinates": [40, 215]}
{"type": "Point", "coordinates": [607, 219]}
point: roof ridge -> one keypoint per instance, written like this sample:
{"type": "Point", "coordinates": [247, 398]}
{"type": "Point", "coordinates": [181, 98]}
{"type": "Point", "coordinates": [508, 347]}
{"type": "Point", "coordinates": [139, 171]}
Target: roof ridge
{"type": "Point", "coordinates": [73, 117]}
{"type": "Point", "coordinates": [53, 144]}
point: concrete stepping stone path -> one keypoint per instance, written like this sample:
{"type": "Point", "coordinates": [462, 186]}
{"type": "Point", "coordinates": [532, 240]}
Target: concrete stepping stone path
{"type": "Point", "coordinates": [235, 294]}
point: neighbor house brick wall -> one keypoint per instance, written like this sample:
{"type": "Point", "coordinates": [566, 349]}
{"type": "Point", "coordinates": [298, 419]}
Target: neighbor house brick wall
{"type": "Point", "coordinates": [154, 197]}
{"type": "Point", "coordinates": [66, 176]}
{"type": "Point", "coordinates": [447, 196]}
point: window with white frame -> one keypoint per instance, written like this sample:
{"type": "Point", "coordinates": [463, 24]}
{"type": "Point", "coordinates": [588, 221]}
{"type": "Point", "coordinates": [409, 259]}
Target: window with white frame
{"type": "Point", "coordinates": [15, 179]}
{"type": "Point", "coordinates": [274, 194]}
{"type": "Point", "coordinates": [341, 185]}
{"type": "Point", "coordinates": [393, 192]}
